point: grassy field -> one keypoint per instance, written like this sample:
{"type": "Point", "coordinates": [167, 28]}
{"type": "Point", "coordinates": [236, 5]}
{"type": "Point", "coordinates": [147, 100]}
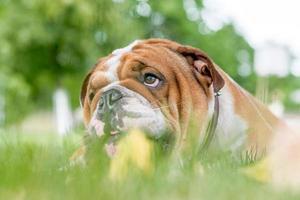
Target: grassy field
{"type": "Point", "coordinates": [36, 167]}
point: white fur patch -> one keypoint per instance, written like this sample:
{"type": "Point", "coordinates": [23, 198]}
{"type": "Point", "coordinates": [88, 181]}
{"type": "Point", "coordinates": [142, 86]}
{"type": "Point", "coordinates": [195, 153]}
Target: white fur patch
{"type": "Point", "coordinates": [114, 62]}
{"type": "Point", "coordinates": [231, 131]}
{"type": "Point", "coordinates": [151, 119]}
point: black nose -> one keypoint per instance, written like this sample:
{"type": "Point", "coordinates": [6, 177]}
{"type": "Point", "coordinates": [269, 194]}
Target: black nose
{"type": "Point", "coordinates": [108, 99]}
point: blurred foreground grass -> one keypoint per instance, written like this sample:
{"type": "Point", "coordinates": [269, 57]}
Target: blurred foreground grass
{"type": "Point", "coordinates": [34, 167]}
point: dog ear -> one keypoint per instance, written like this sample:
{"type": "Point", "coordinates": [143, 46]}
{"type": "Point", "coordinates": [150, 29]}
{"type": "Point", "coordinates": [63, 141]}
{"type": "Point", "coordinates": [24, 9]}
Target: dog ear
{"type": "Point", "coordinates": [84, 88]}
{"type": "Point", "coordinates": [203, 67]}
{"type": "Point", "coordinates": [86, 81]}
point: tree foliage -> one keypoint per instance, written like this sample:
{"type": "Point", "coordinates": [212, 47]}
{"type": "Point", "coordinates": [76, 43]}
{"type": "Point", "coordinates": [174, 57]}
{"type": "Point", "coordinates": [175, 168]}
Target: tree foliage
{"type": "Point", "coordinates": [50, 43]}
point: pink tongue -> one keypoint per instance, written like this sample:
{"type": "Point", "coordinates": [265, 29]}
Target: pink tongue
{"type": "Point", "coordinates": [110, 149]}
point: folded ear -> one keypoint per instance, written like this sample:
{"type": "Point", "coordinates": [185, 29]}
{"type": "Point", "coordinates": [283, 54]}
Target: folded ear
{"type": "Point", "coordinates": [84, 88]}
{"type": "Point", "coordinates": [203, 67]}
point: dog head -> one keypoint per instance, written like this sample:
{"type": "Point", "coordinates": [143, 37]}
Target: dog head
{"type": "Point", "coordinates": [154, 85]}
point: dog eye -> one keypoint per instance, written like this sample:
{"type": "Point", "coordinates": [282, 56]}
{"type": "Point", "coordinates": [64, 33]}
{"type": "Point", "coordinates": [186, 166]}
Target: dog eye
{"type": "Point", "coordinates": [151, 80]}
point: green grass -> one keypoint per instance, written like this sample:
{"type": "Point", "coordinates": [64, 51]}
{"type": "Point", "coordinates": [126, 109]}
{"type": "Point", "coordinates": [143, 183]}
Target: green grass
{"type": "Point", "coordinates": [33, 167]}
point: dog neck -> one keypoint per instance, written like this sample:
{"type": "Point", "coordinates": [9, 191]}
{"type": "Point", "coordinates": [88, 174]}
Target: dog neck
{"type": "Point", "coordinates": [244, 123]}
{"type": "Point", "coordinates": [231, 129]}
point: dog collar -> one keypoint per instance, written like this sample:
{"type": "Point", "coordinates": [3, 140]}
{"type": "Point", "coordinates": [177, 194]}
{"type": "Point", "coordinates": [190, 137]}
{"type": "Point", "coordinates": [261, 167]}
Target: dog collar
{"type": "Point", "coordinates": [212, 125]}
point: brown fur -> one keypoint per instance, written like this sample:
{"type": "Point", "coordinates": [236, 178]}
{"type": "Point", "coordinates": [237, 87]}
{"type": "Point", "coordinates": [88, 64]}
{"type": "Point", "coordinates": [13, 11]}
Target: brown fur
{"type": "Point", "coordinates": [187, 90]}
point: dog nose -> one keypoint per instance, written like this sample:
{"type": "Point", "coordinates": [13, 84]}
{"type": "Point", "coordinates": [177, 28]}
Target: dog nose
{"type": "Point", "coordinates": [108, 99]}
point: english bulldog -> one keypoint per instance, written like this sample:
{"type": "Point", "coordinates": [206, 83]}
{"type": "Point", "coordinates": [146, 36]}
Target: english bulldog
{"type": "Point", "coordinates": [160, 86]}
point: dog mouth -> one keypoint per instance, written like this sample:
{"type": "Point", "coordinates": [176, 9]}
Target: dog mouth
{"type": "Point", "coordinates": [111, 145]}
{"type": "Point", "coordinates": [120, 110]}
{"type": "Point", "coordinates": [108, 135]}
{"type": "Point", "coordinates": [112, 135]}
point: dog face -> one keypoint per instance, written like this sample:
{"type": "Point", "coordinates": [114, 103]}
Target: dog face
{"type": "Point", "coordinates": [154, 85]}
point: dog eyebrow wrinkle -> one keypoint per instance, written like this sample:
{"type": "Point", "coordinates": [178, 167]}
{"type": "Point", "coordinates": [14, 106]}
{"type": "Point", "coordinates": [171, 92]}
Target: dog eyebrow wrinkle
{"type": "Point", "coordinates": [114, 62]}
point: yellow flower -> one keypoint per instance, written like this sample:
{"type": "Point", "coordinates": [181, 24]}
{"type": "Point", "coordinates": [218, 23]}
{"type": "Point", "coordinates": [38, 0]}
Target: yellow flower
{"type": "Point", "coordinates": [134, 152]}
{"type": "Point", "coordinates": [259, 171]}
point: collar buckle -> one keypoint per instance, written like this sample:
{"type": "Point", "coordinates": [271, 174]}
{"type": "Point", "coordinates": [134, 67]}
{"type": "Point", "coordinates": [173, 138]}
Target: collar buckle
{"type": "Point", "coordinates": [218, 93]}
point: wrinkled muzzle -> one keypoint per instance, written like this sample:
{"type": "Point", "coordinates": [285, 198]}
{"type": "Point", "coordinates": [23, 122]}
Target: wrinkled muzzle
{"type": "Point", "coordinates": [120, 109]}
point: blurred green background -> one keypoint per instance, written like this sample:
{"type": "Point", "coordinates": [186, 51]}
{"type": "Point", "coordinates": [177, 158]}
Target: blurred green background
{"type": "Point", "coordinates": [46, 44]}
